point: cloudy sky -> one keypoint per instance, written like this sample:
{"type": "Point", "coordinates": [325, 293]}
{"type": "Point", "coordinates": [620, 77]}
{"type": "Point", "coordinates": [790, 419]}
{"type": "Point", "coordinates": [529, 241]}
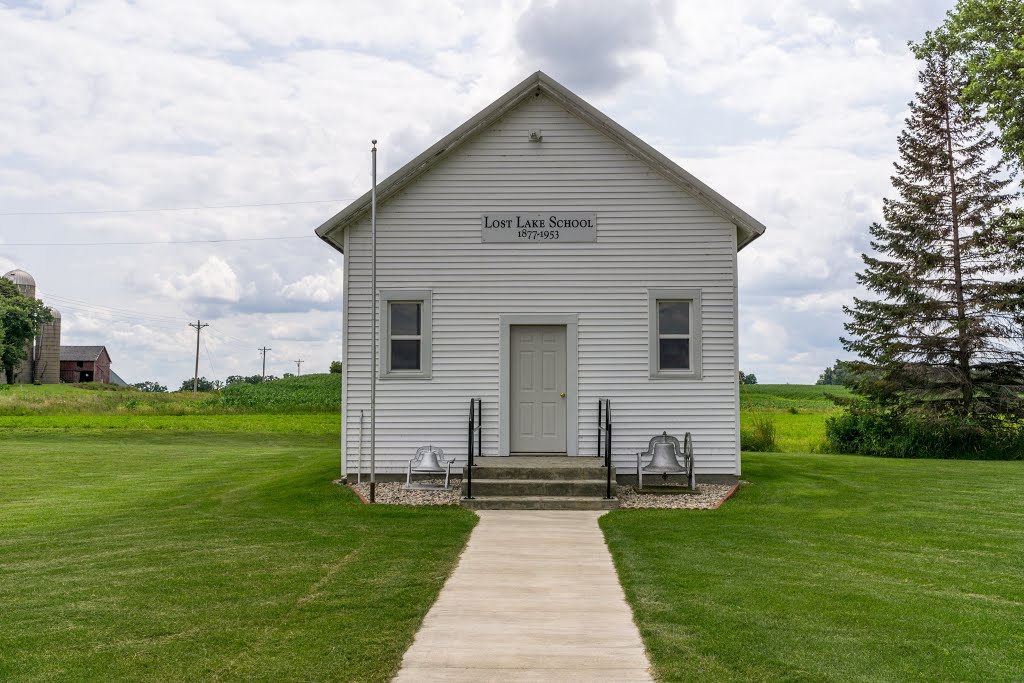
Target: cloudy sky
{"type": "Point", "coordinates": [262, 112]}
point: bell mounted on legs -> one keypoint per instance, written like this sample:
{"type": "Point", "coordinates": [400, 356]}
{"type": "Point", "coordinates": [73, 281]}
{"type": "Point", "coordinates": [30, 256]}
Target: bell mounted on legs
{"type": "Point", "coordinates": [429, 460]}
{"type": "Point", "coordinates": [667, 457]}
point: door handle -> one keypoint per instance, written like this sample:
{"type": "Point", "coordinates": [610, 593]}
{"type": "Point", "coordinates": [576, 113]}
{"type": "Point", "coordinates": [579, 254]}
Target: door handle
{"type": "Point", "coordinates": [562, 394]}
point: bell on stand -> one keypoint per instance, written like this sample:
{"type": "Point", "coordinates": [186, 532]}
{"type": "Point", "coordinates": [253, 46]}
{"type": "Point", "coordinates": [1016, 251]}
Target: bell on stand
{"type": "Point", "coordinates": [665, 452]}
{"type": "Point", "coordinates": [429, 460]}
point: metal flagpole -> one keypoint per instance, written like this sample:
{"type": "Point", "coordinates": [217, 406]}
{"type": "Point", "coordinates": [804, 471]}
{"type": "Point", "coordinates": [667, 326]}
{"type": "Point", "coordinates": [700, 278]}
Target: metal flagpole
{"type": "Point", "coordinates": [373, 326]}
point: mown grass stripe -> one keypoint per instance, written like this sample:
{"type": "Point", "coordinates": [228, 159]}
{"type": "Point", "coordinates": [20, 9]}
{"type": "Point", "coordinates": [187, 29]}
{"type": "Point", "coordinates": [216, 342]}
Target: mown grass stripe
{"type": "Point", "coordinates": [150, 556]}
{"type": "Point", "coordinates": [834, 568]}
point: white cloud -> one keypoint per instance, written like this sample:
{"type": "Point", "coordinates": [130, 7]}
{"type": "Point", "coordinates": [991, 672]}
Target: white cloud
{"type": "Point", "coordinates": [319, 288]}
{"type": "Point", "coordinates": [820, 301]}
{"type": "Point", "coordinates": [214, 280]}
{"type": "Point", "coordinates": [789, 108]}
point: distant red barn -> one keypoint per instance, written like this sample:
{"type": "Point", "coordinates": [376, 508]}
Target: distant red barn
{"type": "Point", "coordinates": [84, 364]}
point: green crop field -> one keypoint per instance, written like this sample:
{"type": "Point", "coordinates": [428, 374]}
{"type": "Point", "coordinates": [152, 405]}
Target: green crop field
{"type": "Point", "coordinates": [786, 396]}
{"type": "Point", "coordinates": [306, 394]}
{"type": "Point", "coordinates": [798, 412]}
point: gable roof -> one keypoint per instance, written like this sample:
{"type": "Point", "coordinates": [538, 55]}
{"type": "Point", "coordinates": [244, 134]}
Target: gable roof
{"type": "Point", "coordinates": [82, 353]}
{"type": "Point", "coordinates": [748, 228]}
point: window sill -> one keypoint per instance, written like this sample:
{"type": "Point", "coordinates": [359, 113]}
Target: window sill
{"type": "Point", "coordinates": [391, 376]}
{"type": "Point", "coordinates": [690, 376]}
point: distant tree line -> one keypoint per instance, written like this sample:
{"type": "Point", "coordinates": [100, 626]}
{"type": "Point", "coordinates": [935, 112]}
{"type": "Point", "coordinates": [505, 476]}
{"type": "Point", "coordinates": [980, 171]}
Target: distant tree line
{"type": "Point", "coordinates": [201, 384]}
{"type": "Point", "coordinates": [840, 374]}
{"type": "Point", "coordinates": [747, 378]}
{"type": "Point", "coordinates": [204, 384]}
{"type": "Point", "coordinates": [251, 379]}
{"type": "Point", "coordinates": [150, 387]}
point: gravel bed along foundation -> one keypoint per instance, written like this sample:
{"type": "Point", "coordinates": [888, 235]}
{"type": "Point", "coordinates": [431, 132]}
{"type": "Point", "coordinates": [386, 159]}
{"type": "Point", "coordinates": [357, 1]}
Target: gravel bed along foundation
{"type": "Point", "coordinates": [392, 493]}
{"type": "Point", "coordinates": [707, 497]}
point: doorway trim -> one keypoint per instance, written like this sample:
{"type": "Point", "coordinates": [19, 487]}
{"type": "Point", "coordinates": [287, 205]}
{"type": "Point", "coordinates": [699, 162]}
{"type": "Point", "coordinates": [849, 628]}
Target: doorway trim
{"type": "Point", "coordinates": [505, 323]}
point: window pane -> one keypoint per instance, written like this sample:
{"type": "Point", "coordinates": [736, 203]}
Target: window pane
{"type": "Point", "coordinates": [405, 354]}
{"type": "Point", "coordinates": [405, 319]}
{"type": "Point", "coordinates": [673, 317]}
{"type": "Point", "coordinates": [674, 354]}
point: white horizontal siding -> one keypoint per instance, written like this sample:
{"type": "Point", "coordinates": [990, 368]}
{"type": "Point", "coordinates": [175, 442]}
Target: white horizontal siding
{"type": "Point", "coordinates": [651, 234]}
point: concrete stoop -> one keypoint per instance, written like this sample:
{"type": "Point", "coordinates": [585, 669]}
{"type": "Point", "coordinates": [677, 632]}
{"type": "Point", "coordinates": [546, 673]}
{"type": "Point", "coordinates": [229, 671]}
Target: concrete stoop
{"type": "Point", "coordinates": [539, 483]}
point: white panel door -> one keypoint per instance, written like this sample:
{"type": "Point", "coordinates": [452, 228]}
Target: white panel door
{"type": "Point", "coordinates": [538, 385]}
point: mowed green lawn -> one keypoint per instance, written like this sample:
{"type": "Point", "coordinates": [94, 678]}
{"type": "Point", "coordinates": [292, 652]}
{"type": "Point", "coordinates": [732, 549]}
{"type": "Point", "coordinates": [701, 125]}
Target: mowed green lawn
{"type": "Point", "coordinates": [171, 547]}
{"type": "Point", "coordinates": [835, 568]}
{"type": "Point", "coordinates": [171, 554]}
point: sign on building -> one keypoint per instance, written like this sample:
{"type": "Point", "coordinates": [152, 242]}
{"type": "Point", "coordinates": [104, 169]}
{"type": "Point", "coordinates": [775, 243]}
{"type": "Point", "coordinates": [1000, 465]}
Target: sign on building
{"type": "Point", "coordinates": [538, 227]}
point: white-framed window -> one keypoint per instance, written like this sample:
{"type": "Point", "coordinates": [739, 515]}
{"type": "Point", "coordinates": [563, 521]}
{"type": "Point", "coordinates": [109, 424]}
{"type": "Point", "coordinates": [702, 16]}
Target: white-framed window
{"type": "Point", "coordinates": [405, 351]}
{"type": "Point", "coordinates": [675, 333]}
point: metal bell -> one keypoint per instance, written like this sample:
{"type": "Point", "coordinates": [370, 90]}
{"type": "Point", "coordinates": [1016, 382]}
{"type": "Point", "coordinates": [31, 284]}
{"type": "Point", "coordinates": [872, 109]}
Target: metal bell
{"type": "Point", "coordinates": [665, 459]}
{"type": "Point", "coordinates": [429, 461]}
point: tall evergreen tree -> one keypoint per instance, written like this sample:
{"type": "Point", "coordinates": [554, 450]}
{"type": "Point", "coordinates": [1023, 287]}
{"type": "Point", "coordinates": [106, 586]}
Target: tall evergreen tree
{"type": "Point", "coordinates": [946, 331]}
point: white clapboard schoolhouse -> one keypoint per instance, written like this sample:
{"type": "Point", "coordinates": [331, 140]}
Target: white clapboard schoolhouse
{"type": "Point", "coordinates": [541, 257]}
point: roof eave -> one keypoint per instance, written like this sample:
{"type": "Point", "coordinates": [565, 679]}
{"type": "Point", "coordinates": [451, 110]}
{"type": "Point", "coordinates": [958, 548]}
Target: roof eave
{"type": "Point", "coordinates": [745, 237]}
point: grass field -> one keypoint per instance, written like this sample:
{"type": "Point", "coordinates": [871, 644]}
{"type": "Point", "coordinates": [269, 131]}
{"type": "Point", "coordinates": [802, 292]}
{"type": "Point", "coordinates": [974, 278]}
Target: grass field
{"type": "Point", "coordinates": [202, 540]}
{"type": "Point", "coordinates": [798, 411]}
{"type": "Point", "coordinates": [835, 568]}
{"type": "Point", "coordinates": [135, 553]}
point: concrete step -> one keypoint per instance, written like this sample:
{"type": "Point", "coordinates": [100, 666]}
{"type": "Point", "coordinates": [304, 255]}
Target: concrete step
{"type": "Point", "coordinates": [538, 502]}
{"type": "Point", "coordinates": [539, 487]}
{"type": "Point", "coordinates": [563, 473]}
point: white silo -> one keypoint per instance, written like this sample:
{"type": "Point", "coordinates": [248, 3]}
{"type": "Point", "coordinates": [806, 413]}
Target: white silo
{"type": "Point", "coordinates": [47, 358]}
{"type": "Point", "coordinates": [42, 363]}
{"type": "Point", "coordinates": [27, 286]}
{"type": "Point", "coordinates": [25, 282]}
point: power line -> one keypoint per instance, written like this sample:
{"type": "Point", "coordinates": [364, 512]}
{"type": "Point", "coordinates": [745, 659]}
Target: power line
{"type": "Point", "coordinates": [118, 317]}
{"type": "Point", "coordinates": [170, 208]}
{"type": "Point", "coordinates": [66, 301]}
{"type": "Point", "coordinates": [127, 315]}
{"type": "Point", "coordinates": [225, 341]}
{"type": "Point", "coordinates": [222, 333]}
{"type": "Point", "coordinates": [209, 359]}
{"type": "Point", "coordinates": [137, 244]}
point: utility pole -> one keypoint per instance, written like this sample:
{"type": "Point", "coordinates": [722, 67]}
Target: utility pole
{"type": "Point", "coordinates": [199, 325]}
{"type": "Point", "coordinates": [298, 365]}
{"type": "Point", "coordinates": [263, 352]}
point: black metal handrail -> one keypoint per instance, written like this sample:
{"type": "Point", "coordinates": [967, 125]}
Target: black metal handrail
{"type": "Point", "coordinates": [475, 429]}
{"type": "Point", "coordinates": [604, 434]}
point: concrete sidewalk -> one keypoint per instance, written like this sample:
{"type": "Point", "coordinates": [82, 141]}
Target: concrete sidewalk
{"type": "Point", "coordinates": [535, 598]}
